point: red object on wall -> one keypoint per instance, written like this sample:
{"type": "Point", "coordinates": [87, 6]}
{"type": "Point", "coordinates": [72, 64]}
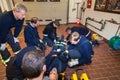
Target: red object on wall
{"type": "Point", "coordinates": [89, 2]}
{"type": "Point", "coordinates": [78, 21]}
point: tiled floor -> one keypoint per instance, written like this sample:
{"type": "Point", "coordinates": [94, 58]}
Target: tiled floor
{"type": "Point", "coordinates": [105, 63]}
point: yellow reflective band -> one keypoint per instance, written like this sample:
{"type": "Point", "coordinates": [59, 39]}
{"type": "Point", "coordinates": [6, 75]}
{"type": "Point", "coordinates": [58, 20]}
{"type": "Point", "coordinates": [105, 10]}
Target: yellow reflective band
{"type": "Point", "coordinates": [7, 60]}
{"type": "Point", "coordinates": [4, 61]}
{"type": "Point", "coordinates": [17, 52]}
{"type": "Point", "coordinates": [0, 57]}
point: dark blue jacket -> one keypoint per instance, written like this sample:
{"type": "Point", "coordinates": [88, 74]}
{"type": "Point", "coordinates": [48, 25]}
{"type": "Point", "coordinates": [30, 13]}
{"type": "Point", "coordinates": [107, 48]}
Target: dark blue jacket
{"type": "Point", "coordinates": [85, 49]}
{"type": "Point", "coordinates": [50, 30]}
{"type": "Point", "coordinates": [31, 36]}
{"type": "Point", "coordinates": [80, 29]}
{"type": "Point", "coordinates": [13, 69]}
{"type": "Point", "coordinates": [21, 54]}
{"type": "Point", "coordinates": [7, 21]}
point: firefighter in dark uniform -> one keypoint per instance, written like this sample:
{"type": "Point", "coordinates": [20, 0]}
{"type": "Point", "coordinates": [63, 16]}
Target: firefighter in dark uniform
{"type": "Point", "coordinates": [82, 30]}
{"type": "Point", "coordinates": [49, 33]}
{"type": "Point", "coordinates": [13, 18]}
{"type": "Point", "coordinates": [31, 35]}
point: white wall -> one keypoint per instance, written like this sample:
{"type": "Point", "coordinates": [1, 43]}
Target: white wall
{"type": "Point", "coordinates": [110, 28]}
{"type": "Point", "coordinates": [74, 10]}
{"type": "Point", "coordinates": [46, 10]}
{"type": "Point", "coordinates": [6, 5]}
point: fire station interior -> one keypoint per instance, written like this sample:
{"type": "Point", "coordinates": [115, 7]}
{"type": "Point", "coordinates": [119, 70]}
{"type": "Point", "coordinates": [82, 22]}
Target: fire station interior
{"type": "Point", "coordinates": [101, 17]}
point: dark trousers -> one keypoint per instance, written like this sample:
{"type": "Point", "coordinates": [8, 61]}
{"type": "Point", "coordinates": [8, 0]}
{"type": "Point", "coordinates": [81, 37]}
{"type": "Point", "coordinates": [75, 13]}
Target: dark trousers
{"type": "Point", "coordinates": [74, 54]}
{"type": "Point", "coordinates": [47, 40]}
{"type": "Point", "coordinates": [5, 54]}
{"type": "Point", "coordinates": [15, 46]}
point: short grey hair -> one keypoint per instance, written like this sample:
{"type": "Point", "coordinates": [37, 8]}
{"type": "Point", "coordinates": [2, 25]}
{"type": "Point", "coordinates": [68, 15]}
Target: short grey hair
{"type": "Point", "coordinates": [19, 6]}
{"type": "Point", "coordinates": [32, 63]}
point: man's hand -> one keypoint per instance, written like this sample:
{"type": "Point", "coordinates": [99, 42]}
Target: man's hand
{"type": "Point", "coordinates": [16, 40]}
{"type": "Point", "coordinates": [3, 46]}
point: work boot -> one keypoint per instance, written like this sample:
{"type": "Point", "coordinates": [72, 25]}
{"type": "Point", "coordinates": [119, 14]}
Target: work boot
{"type": "Point", "coordinates": [73, 62]}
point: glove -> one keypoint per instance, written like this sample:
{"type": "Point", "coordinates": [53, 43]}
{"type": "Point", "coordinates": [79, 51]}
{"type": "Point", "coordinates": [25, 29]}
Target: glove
{"type": "Point", "coordinates": [15, 39]}
{"type": "Point", "coordinates": [3, 46]}
{"type": "Point", "coordinates": [55, 41]}
{"type": "Point", "coordinates": [58, 50]}
{"type": "Point", "coordinates": [40, 41]}
{"type": "Point", "coordinates": [66, 51]}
